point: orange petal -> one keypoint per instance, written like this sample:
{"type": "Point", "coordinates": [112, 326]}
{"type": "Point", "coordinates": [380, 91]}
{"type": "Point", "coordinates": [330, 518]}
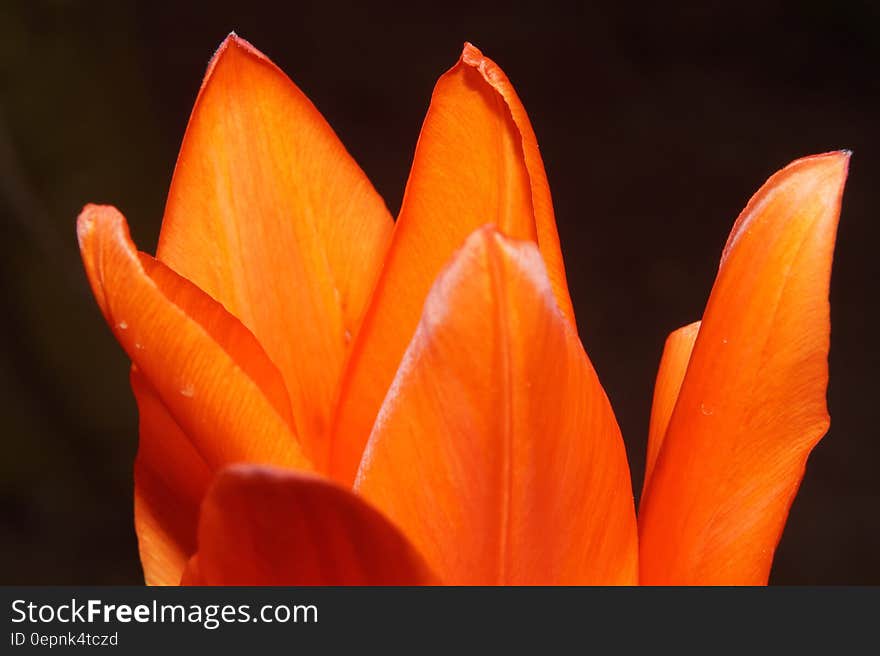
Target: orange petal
{"type": "Point", "coordinates": [207, 394]}
{"type": "Point", "coordinates": [266, 526]}
{"type": "Point", "coordinates": [208, 371]}
{"type": "Point", "coordinates": [752, 404]}
{"type": "Point", "coordinates": [673, 365]}
{"type": "Point", "coordinates": [170, 480]}
{"type": "Point", "coordinates": [476, 162]}
{"type": "Point", "coordinates": [496, 450]}
{"type": "Point", "coordinates": [269, 215]}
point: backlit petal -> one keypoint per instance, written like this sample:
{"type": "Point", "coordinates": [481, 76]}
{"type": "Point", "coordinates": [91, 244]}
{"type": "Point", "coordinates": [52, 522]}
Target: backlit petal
{"type": "Point", "coordinates": [476, 162]}
{"type": "Point", "coordinates": [269, 215]}
{"type": "Point", "coordinates": [170, 479]}
{"type": "Point", "coordinates": [266, 526]}
{"type": "Point", "coordinates": [496, 450]}
{"type": "Point", "coordinates": [673, 365]}
{"type": "Point", "coordinates": [752, 404]}
{"type": "Point", "coordinates": [209, 372]}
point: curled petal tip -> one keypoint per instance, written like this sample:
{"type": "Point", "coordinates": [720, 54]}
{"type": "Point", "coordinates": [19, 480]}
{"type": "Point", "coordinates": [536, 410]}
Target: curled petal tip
{"type": "Point", "coordinates": [93, 213]}
{"type": "Point", "coordinates": [85, 222]}
{"type": "Point", "coordinates": [474, 57]}
{"type": "Point", "coordinates": [470, 54]}
{"type": "Point", "coordinates": [87, 214]}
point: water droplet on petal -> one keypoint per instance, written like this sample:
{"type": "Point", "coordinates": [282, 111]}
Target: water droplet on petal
{"type": "Point", "coordinates": [122, 325]}
{"type": "Point", "coordinates": [705, 409]}
{"type": "Point", "coordinates": [347, 335]}
{"type": "Point", "coordinates": [188, 391]}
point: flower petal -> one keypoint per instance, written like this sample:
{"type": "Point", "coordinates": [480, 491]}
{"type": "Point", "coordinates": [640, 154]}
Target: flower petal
{"type": "Point", "coordinates": [270, 215]}
{"type": "Point", "coordinates": [207, 393]}
{"type": "Point", "coordinates": [752, 404]}
{"type": "Point", "coordinates": [476, 162]}
{"type": "Point", "coordinates": [209, 372]}
{"type": "Point", "coordinates": [496, 450]}
{"type": "Point", "coordinates": [673, 365]}
{"type": "Point", "coordinates": [266, 526]}
{"type": "Point", "coordinates": [170, 480]}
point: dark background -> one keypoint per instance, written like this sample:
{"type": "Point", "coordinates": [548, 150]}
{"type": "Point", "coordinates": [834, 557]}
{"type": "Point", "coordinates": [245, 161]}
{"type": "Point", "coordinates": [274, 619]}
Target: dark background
{"type": "Point", "coordinates": [656, 122]}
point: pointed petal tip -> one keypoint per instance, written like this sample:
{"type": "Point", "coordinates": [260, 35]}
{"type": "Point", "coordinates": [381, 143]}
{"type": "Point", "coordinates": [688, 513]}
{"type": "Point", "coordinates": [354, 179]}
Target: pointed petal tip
{"type": "Point", "coordinates": [842, 159]}
{"type": "Point", "coordinates": [829, 169]}
{"type": "Point", "coordinates": [492, 243]}
{"type": "Point", "coordinates": [241, 44]}
{"type": "Point", "coordinates": [844, 156]}
{"type": "Point", "coordinates": [834, 158]}
{"type": "Point", "coordinates": [826, 173]}
{"type": "Point", "coordinates": [688, 333]}
{"type": "Point", "coordinates": [233, 44]}
{"type": "Point", "coordinates": [811, 179]}
{"type": "Point", "coordinates": [234, 41]}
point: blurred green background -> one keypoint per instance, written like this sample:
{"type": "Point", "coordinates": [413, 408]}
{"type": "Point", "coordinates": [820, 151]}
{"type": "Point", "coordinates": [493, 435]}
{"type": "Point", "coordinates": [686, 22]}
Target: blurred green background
{"type": "Point", "coordinates": [656, 122]}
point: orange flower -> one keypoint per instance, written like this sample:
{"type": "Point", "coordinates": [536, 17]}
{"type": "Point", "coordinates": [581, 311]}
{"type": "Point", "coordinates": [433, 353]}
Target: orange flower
{"type": "Point", "coordinates": [290, 342]}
